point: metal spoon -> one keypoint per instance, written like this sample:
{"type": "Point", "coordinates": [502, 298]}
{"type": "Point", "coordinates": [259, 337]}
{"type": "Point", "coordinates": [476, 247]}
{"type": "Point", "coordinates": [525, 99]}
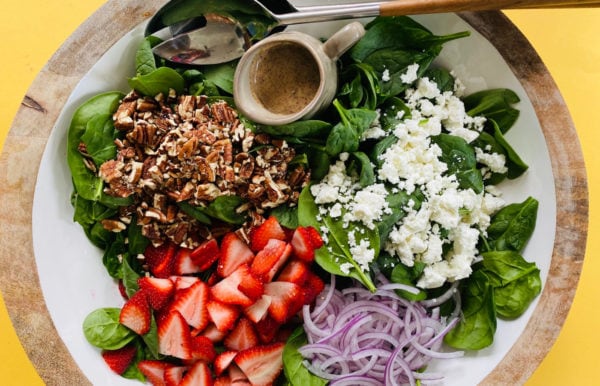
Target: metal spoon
{"type": "Point", "coordinates": [222, 39]}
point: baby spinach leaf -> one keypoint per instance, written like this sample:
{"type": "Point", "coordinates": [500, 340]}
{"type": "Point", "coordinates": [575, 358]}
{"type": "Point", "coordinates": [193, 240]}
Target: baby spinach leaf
{"type": "Point", "coordinates": [99, 138]}
{"type": "Point", "coordinates": [87, 185]}
{"type": "Point", "coordinates": [345, 136]}
{"type": "Point", "coordinates": [224, 208]}
{"type": "Point", "coordinates": [513, 225]}
{"type": "Point", "coordinates": [402, 274]}
{"type": "Point", "coordinates": [221, 75]}
{"type": "Point", "coordinates": [299, 129]}
{"type": "Point", "coordinates": [461, 161]}
{"type": "Point", "coordinates": [133, 372]}
{"type": "Point", "coordinates": [337, 251]}
{"type": "Point", "coordinates": [359, 86]}
{"type": "Point", "coordinates": [113, 256]}
{"type": "Point", "coordinates": [516, 281]}
{"type": "Point", "coordinates": [102, 329]}
{"type": "Point", "coordinates": [89, 212]}
{"type": "Point", "coordinates": [137, 242]}
{"type": "Point", "coordinates": [380, 148]}
{"type": "Point", "coordinates": [494, 104]}
{"type": "Point", "coordinates": [151, 339]}
{"type": "Point", "coordinates": [477, 326]}
{"type": "Point", "coordinates": [362, 166]}
{"type": "Point", "coordinates": [397, 202]}
{"type": "Point", "coordinates": [295, 371]}
{"type": "Point", "coordinates": [195, 212]}
{"type": "Point", "coordinates": [144, 57]}
{"type": "Point", "coordinates": [129, 277]}
{"type": "Point", "coordinates": [442, 77]}
{"type": "Point", "coordinates": [393, 111]}
{"type": "Point", "coordinates": [487, 143]}
{"type": "Point", "coordinates": [286, 215]}
{"type": "Point", "coordinates": [158, 81]}
{"type": "Point", "coordinates": [515, 165]}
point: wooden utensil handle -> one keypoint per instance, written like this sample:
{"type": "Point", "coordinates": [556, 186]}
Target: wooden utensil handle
{"type": "Point", "coordinates": [412, 7]}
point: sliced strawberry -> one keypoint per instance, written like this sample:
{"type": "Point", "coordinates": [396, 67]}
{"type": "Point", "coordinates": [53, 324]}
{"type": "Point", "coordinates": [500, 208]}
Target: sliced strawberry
{"type": "Point", "coordinates": [312, 287]}
{"type": "Point", "coordinates": [267, 329]}
{"type": "Point", "coordinates": [234, 252]}
{"type": "Point", "coordinates": [158, 290]}
{"type": "Point", "coordinates": [261, 364]}
{"type": "Point", "coordinates": [250, 285]}
{"type": "Point", "coordinates": [203, 349]}
{"type": "Point", "coordinates": [198, 375]}
{"type": "Point", "coordinates": [184, 264]}
{"type": "Point", "coordinates": [174, 375]}
{"type": "Point", "coordinates": [295, 271]}
{"type": "Point", "coordinates": [222, 315]}
{"type": "Point", "coordinates": [183, 282]}
{"type": "Point", "coordinates": [257, 311]}
{"type": "Point", "coordinates": [269, 259]}
{"type": "Point", "coordinates": [228, 291]}
{"type": "Point", "coordinates": [214, 334]}
{"type": "Point", "coordinates": [237, 376]}
{"type": "Point", "coordinates": [120, 359]}
{"type": "Point", "coordinates": [315, 237]}
{"type": "Point", "coordinates": [191, 303]}
{"type": "Point", "coordinates": [303, 245]}
{"type": "Point", "coordinates": [206, 254]}
{"type": "Point", "coordinates": [154, 370]}
{"type": "Point", "coordinates": [270, 229]}
{"type": "Point", "coordinates": [135, 313]}
{"type": "Point", "coordinates": [223, 360]}
{"type": "Point", "coordinates": [174, 337]}
{"type": "Point", "coordinates": [161, 259]}
{"type": "Point", "coordinates": [242, 336]}
{"type": "Point", "coordinates": [286, 299]}
{"type": "Point", "coordinates": [223, 380]}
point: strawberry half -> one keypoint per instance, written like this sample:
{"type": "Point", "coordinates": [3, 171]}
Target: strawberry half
{"type": "Point", "coordinates": [205, 254]}
{"type": "Point", "coordinates": [214, 334]}
{"type": "Point", "coordinates": [286, 300]}
{"type": "Point", "coordinates": [158, 291]}
{"type": "Point", "coordinates": [267, 329]}
{"type": "Point", "coordinates": [174, 337]}
{"type": "Point", "coordinates": [261, 364]}
{"type": "Point", "coordinates": [154, 370]}
{"type": "Point", "coordinates": [183, 282]}
{"type": "Point", "coordinates": [303, 244]}
{"type": "Point", "coordinates": [234, 252]}
{"type": "Point", "coordinates": [161, 259]}
{"type": "Point", "coordinates": [120, 359]}
{"type": "Point", "coordinates": [269, 229]}
{"type": "Point", "coordinates": [135, 314]}
{"type": "Point", "coordinates": [257, 311]}
{"type": "Point", "coordinates": [191, 304]}
{"type": "Point", "coordinates": [312, 287]}
{"type": "Point", "coordinates": [174, 375]}
{"type": "Point", "coordinates": [242, 336]}
{"type": "Point", "coordinates": [198, 375]}
{"type": "Point", "coordinates": [268, 260]}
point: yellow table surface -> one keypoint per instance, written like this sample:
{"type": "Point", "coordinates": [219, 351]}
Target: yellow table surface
{"type": "Point", "coordinates": [568, 42]}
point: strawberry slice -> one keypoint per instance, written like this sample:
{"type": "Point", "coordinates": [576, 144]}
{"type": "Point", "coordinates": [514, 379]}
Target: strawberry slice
{"type": "Point", "coordinates": [303, 244]}
{"type": "Point", "coordinates": [214, 334]}
{"type": "Point", "coordinates": [228, 289]}
{"type": "Point", "coordinates": [223, 380]}
{"type": "Point", "coordinates": [261, 364]}
{"type": "Point", "coordinates": [257, 311]}
{"type": "Point", "coordinates": [161, 259]}
{"type": "Point", "coordinates": [234, 252]}
{"type": "Point", "coordinates": [286, 299]}
{"type": "Point", "coordinates": [269, 229]}
{"type": "Point", "coordinates": [205, 254]}
{"type": "Point", "coordinates": [312, 287]}
{"type": "Point", "coordinates": [267, 329]}
{"type": "Point", "coordinates": [174, 375]}
{"type": "Point", "coordinates": [135, 313]}
{"type": "Point", "coordinates": [158, 291]}
{"type": "Point", "coordinates": [191, 304]}
{"type": "Point", "coordinates": [237, 376]}
{"type": "Point", "coordinates": [315, 237]}
{"type": "Point", "coordinates": [174, 337]}
{"type": "Point", "coordinates": [269, 259]}
{"type": "Point", "coordinates": [222, 315]}
{"type": "Point", "coordinates": [250, 285]}
{"type": "Point", "coordinates": [198, 375]}
{"type": "Point", "coordinates": [242, 336]}
{"type": "Point", "coordinates": [203, 349]}
{"type": "Point", "coordinates": [184, 264]}
{"type": "Point", "coordinates": [154, 370]}
{"type": "Point", "coordinates": [120, 359]}
{"type": "Point", "coordinates": [183, 282]}
{"type": "Point", "coordinates": [223, 360]}
{"type": "Point", "coordinates": [295, 271]}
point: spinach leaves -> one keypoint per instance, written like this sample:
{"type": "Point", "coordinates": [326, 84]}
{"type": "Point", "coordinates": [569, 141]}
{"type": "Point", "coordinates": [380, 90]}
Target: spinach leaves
{"type": "Point", "coordinates": [295, 371]}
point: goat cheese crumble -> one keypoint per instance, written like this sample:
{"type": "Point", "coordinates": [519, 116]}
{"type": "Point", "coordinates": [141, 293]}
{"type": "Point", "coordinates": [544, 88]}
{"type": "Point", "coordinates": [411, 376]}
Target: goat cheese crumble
{"type": "Point", "coordinates": [443, 231]}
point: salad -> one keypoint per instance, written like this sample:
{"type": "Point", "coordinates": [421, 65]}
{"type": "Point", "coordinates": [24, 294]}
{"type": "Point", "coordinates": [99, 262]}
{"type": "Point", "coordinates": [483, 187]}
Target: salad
{"type": "Point", "coordinates": [353, 248]}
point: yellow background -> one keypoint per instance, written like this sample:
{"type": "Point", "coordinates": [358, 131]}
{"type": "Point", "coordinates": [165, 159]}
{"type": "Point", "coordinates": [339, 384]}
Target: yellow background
{"type": "Point", "coordinates": [568, 42]}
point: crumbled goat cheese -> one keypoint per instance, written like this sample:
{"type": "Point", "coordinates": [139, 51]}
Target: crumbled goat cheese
{"type": "Point", "coordinates": [496, 162]}
{"type": "Point", "coordinates": [411, 74]}
{"type": "Point", "coordinates": [385, 76]}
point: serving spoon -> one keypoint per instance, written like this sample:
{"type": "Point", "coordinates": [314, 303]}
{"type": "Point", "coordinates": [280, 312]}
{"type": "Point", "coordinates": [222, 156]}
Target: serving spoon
{"type": "Point", "coordinates": [213, 39]}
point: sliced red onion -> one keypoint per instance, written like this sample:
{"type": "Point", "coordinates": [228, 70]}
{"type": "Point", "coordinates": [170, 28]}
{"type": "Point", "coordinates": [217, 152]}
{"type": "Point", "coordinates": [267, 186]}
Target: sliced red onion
{"type": "Point", "coordinates": [357, 337]}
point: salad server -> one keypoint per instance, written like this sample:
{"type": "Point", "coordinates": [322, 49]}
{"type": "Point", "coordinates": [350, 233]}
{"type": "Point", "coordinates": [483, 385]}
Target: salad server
{"type": "Point", "coordinates": [221, 39]}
